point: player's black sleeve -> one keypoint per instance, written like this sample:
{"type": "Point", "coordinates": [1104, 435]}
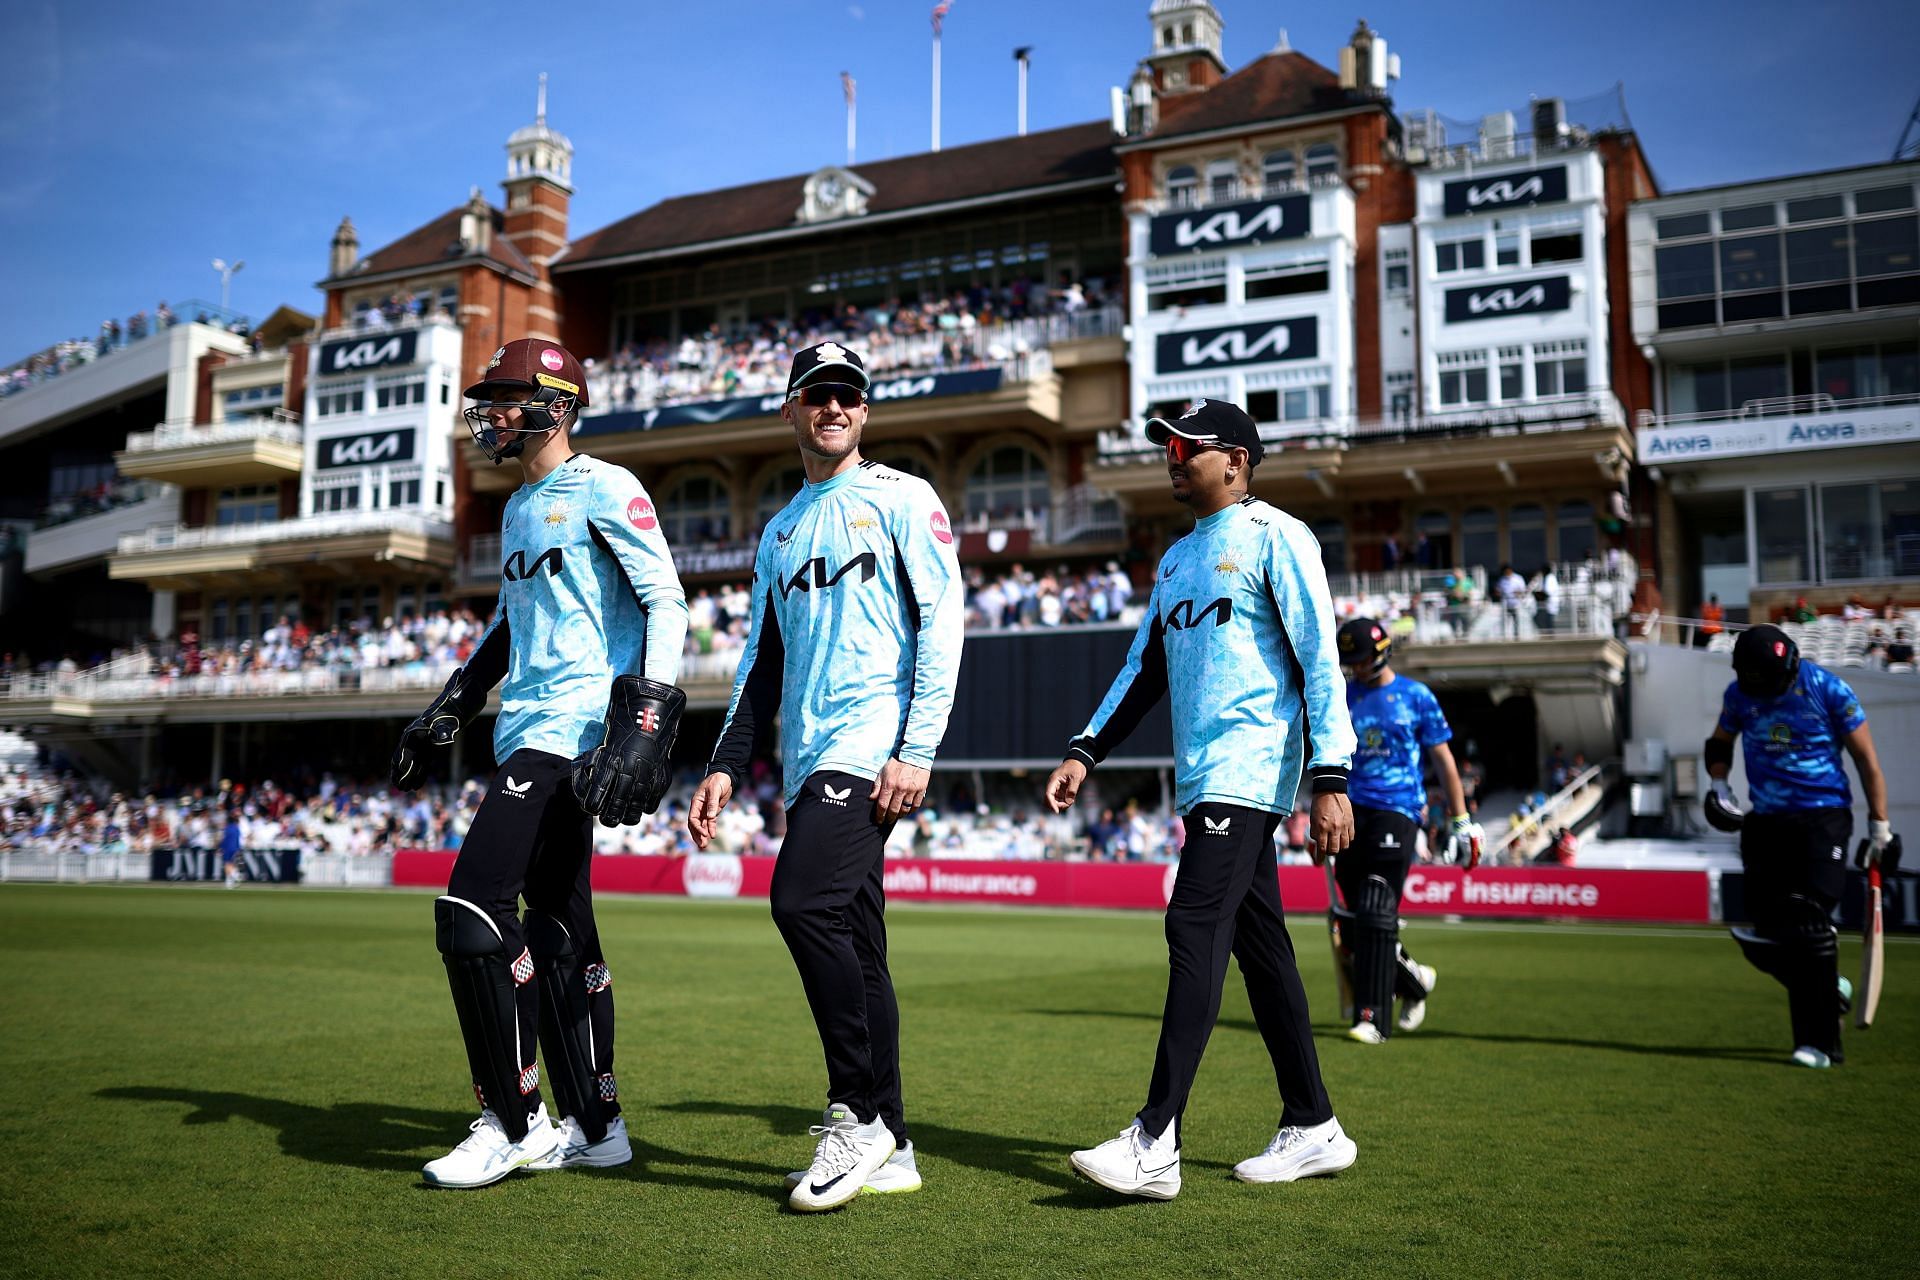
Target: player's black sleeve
{"type": "Point", "coordinates": [487, 664]}
{"type": "Point", "coordinates": [749, 730]}
{"type": "Point", "coordinates": [1141, 684]}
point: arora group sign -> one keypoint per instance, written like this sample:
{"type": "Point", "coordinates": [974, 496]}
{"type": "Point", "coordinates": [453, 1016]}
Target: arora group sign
{"type": "Point", "coordinates": [1747, 437]}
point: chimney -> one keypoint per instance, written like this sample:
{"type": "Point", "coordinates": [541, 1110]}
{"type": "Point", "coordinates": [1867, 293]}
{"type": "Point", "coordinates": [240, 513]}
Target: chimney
{"type": "Point", "coordinates": [476, 224]}
{"type": "Point", "coordinates": [346, 250]}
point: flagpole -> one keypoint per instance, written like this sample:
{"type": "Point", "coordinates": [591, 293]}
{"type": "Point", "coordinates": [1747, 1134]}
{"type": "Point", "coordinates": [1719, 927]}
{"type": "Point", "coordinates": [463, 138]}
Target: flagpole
{"type": "Point", "coordinates": [936, 85]}
{"type": "Point", "coordinates": [846, 84]}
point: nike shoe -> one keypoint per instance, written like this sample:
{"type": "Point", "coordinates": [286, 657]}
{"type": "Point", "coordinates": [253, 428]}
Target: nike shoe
{"type": "Point", "coordinates": [1298, 1152]}
{"type": "Point", "coordinates": [489, 1155]}
{"type": "Point", "coordinates": [1414, 1012]}
{"type": "Point", "coordinates": [897, 1175]}
{"type": "Point", "coordinates": [573, 1151]}
{"type": "Point", "coordinates": [1134, 1164]}
{"type": "Point", "coordinates": [847, 1156]}
{"type": "Point", "coordinates": [1808, 1056]}
{"type": "Point", "coordinates": [1846, 997]}
{"type": "Point", "coordinates": [1365, 1033]}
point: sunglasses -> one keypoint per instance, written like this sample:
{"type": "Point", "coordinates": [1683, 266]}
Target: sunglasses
{"type": "Point", "coordinates": [1183, 450]}
{"type": "Point", "coordinates": [817, 395]}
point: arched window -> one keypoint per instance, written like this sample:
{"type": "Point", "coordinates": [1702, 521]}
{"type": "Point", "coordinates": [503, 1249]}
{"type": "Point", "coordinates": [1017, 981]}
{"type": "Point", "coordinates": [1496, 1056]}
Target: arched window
{"type": "Point", "coordinates": [1527, 537]}
{"type": "Point", "coordinates": [698, 510]}
{"type": "Point", "coordinates": [1010, 481]}
{"type": "Point", "coordinates": [1223, 181]}
{"type": "Point", "coordinates": [1277, 169]}
{"type": "Point", "coordinates": [1437, 528]}
{"type": "Point", "coordinates": [776, 493]}
{"type": "Point", "coordinates": [1331, 534]}
{"type": "Point", "coordinates": [1182, 184]}
{"type": "Point", "coordinates": [1480, 538]}
{"type": "Point", "coordinates": [1574, 524]}
{"type": "Point", "coordinates": [1323, 162]}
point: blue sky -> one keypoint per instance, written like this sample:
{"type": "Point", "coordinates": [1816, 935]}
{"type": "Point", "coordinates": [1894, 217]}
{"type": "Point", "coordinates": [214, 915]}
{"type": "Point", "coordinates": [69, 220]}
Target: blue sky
{"type": "Point", "coordinates": [146, 140]}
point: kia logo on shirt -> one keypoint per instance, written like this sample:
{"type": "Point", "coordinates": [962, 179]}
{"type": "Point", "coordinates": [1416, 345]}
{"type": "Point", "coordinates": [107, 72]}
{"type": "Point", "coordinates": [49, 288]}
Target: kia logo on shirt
{"type": "Point", "coordinates": [349, 355]}
{"type": "Point", "coordinates": [1221, 226]}
{"type": "Point", "coordinates": [1266, 342]}
{"type": "Point", "coordinates": [365, 450]}
{"type": "Point", "coordinates": [1508, 298]}
{"type": "Point", "coordinates": [1505, 191]}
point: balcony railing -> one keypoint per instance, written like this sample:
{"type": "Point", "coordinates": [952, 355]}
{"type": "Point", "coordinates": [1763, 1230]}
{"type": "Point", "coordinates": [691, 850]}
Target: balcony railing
{"type": "Point", "coordinates": [1775, 407]}
{"type": "Point", "coordinates": [1208, 195]}
{"type": "Point", "coordinates": [361, 326]}
{"type": "Point", "coordinates": [337, 524]}
{"type": "Point", "coordinates": [281, 428]}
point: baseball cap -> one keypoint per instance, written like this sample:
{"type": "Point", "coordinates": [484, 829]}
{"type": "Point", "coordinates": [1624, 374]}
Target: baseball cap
{"type": "Point", "coordinates": [1211, 422]}
{"type": "Point", "coordinates": [827, 362]}
{"type": "Point", "coordinates": [532, 363]}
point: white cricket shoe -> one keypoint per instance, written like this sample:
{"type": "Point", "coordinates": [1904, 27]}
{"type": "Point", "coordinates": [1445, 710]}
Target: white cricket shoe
{"type": "Point", "coordinates": [1365, 1033]}
{"type": "Point", "coordinates": [1808, 1056]}
{"type": "Point", "coordinates": [898, 1174]}
{"type": "Point", "coordinates": [574, 1151]}
{"type": "Point", "coordinates": [1134, 1164]}
{"type": "Point", "coordinates": [847, 1156]}
{"type": "Point", "coordinates": [489, 1155]}
{"type": "Point", "coordinates": [1298, 1152]}
{"type": "Point", "coordinates": [1414, 1012]}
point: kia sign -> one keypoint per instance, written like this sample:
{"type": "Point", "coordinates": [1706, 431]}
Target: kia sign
{"type": "Point", "coordinates": [1509, 298]}
{"type": "Point", "coordinates": [364, 450]}
{"type": "Point", "coordinates": [1505, 191]}
{"type": "Point", "coordinates": [357, 355]}
{"type": "Point", "coordinates": [1748, 437]}
{"type": "Point", "coordinates": [1224, 226]}
{"type": "Point", "coordinates": [885, 391]}
{"type": "Point", "coordinates": [1268, 342]}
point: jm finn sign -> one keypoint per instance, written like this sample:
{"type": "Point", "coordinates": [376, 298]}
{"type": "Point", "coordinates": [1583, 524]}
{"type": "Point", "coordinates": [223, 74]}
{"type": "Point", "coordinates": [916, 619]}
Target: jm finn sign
{"type": "Point", "coordinates": [1746, 437]}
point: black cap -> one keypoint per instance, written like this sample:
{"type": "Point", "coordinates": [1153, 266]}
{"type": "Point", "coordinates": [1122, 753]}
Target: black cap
{"type": "Point", "coordinates": [1211, 422]}
{"type": "Point", "coordinates": [827, 362]}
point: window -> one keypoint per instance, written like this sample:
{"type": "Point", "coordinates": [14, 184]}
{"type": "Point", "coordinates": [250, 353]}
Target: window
{"type": "Point", "coordinates": [403, 493]}
{"type": "Point", "coordinates": [344, 497]}
{"type": "Point", "coordinates": [1277, 170]}
{"type": "Point", "coordinates": [1684, 271]}
{"type": "Point", "coordinates": [1399, 281]}
{"type": "Point", "coordinates": [252, 402]}
{"type": "Point", "coordinates": [1681, 225]}
{"type": "Point", "coordinates": [1437, 528]}
{"type": "Point", "coordinates": [1887, 246]}
{"type": "Point", "coordinates": [1479, 538]}
{"type": "Point", "coordinates": [1883, 200]}
{"type": "Point", "coordinates": [776, 493]}
{"type": "Point", "coordinates": [1183, 283]}
{"type": "Point", "coordinates": [1746, 219]}
{"type": "Point", "coordinates": [1573, 526]}
{"type": "Point", "coordinates": [1780, 535]}
{"type": "Point", "coordinates": [1527, 537]}
{"type": "Point", "coordinates": [1506, 249]}
{"type": "Point", "coordinates": [698, 510]}
{"type": "Point", "coordinates": [1756, 378]}
{"type": "Point", "coordinates": [1323, 162]}
{"type": "Point", "coordinates": [247, 504]}
{"type": "Point", "coordinates": [1463, 378]}
{"type": "Point", "coordinates": [399, 395]}
{"type": "Point", "coordinates": [1559, 372]}
{"type": "Point", "coordinates": [1459, 255]}
{"type": "Point", "coordinates": [1223, 181]}
{"type": "Point", "coordinates": [1011, 480]}
{"type": "Point", "coordinates": [1183, 184]}
{"type": "Point", "coordinates": [1559, 246]}
{"type": "Point", "coordinates": [1815, 209]}
{"type": "Point", "coordinates": [1281, 279]}
{"type": "Point", "coordinates": [1513, 373]}
{"type": "Point", "coordinates": [1332, 536]}
{"type": "Point", "coordinates": [333, 403]}
{"type": "Point", "coordinates": [1817, 254]}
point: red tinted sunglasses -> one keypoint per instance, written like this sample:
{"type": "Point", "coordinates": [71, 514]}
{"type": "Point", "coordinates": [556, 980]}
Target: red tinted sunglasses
{"type": "Point", "coordinates": [1183, 450]}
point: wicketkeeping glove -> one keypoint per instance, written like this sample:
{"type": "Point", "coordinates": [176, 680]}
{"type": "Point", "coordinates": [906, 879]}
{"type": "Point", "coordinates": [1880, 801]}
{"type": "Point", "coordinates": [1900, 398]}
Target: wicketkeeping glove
{"type": "Point", "coordinates": [1880, 849]}
{"type": "Point", "coordinates": [624, 778]}
{"type": "Point", "coordinates": [1723, 811]}
{"type": "Point", "coordinates": [1466, 841]}
{"type": "Point", "coordinates": [437, 726]}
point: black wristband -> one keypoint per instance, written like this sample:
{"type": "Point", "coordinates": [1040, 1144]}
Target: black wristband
{"type": "Point", "coordinates": [1329, 780]}
{"type": "Point", "coordinates": [1082, 755]}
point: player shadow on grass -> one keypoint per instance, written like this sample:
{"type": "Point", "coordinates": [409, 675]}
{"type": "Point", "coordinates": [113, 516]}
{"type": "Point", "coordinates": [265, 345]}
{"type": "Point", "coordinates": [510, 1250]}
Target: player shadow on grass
{"type": "Point", "coordinates": [1033, 1159]}
{"type": "Point", "coordinates": [1338, 1031]}
{"type": "Point", "coordinates": [387, 1139]}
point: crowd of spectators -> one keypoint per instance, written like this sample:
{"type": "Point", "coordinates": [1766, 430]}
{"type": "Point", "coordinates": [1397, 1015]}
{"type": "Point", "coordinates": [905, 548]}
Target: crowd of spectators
{"type": "Point", "coordinates": [1064, 597]}
{"type": "Point", "coordinates": [62, 357]}
{"type": "Point", "coordinates": [968, 329]}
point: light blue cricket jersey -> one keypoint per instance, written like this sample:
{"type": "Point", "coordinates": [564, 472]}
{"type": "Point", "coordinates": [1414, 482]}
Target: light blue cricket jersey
{"type": "Point", "coordinates": [587, 592]}
{"type": "Point", "coordinates": [1239, 629]}
{"type": "Point", "coordinates": [856, 631]}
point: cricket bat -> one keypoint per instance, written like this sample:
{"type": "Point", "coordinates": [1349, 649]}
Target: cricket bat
{"type": "Point", "coordinates": [1342, 970]}
{"type": "Point", "coordinates": [1872, 953]}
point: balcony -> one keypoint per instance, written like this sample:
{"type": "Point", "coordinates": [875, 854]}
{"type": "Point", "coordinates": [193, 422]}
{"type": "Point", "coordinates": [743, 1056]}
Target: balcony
{"type": "Point", "coordinates": [210, 455]}
{"type": "Point", "coordinates": [71, 541]}
{"type": "Point", "coordinates": [1784, 425]}
{"type": "Point", "coordinates": [341, 544]}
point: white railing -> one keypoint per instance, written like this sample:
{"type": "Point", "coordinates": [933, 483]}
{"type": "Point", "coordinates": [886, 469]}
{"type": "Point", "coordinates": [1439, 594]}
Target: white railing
{"type": "Point", "coordinates": [1775, 407]}
{"type": "Point", "coordinates": [1205, 195]}
{"type": "Point", "coordinates": [331, 525]}
{"type": "Point", "coordinates": [190, 435]}
{"type": "Point", "coordinates": [1559, 808]}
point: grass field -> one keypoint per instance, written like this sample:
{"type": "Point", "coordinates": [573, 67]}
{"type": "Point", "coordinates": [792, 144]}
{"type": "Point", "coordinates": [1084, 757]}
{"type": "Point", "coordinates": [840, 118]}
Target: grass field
{"type": "Point", "coordinates": [246, 1084]}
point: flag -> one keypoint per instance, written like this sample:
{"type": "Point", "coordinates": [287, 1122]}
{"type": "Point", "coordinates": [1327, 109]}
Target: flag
{"type": "Point", "coordinates": [939, 13]}
{"type": "Point", "coordinates": [846, 86]}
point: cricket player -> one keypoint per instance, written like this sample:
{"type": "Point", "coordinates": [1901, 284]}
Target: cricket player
{"type": "Point", "coordinates": [1395, 721]}
{"type": "Point", "coordinates": [1239, 631]}
{"type": "Point", "coordinates": [1793, 717]}
{"type": "Point", "coordinates": [587, 636]}
{"type": "Point", "coordinates": [854, 643]}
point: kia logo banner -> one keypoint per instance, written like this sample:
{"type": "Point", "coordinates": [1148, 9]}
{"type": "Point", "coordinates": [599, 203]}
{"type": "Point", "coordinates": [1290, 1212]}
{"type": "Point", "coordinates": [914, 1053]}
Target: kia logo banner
{"type": "Point", "coordinates": [356, 355]}
{"type": "Point", "coordinates": [1505, 191]}
{"type": "Point", "coordinates": [1266, 342]}
{"type": "Point", "coordinates": [1223, 226]}
{"type": "Point", "coordinates": [1509, 298]}
{"type": "Point", "coordinates": [708, 412]}
{"type": "Point", "coordinates": [365, 450]}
